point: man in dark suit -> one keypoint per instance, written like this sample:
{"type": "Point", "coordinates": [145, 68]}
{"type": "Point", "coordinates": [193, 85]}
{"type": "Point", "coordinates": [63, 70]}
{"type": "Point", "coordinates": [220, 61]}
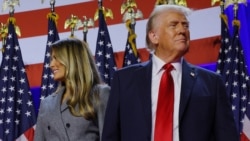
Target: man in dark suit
{"type": "Point", "coordinates": [201, 109]}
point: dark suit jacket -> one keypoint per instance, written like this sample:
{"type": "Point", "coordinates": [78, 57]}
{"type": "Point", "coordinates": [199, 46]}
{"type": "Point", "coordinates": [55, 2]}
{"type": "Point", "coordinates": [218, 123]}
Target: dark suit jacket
{"type": "Point", "coordinates": [204, 113]}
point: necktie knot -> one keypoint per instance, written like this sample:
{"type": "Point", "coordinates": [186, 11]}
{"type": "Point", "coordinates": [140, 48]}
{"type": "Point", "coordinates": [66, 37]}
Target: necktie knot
{"type": "Point", "coordinates": [168, 67]}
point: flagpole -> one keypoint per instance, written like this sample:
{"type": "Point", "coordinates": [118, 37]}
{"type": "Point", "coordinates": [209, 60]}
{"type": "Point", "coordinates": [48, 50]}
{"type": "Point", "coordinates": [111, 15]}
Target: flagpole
{"type": "Point", "coordinates": [99, 3]}
{"type": "Point", "coordinates": [52, 5]}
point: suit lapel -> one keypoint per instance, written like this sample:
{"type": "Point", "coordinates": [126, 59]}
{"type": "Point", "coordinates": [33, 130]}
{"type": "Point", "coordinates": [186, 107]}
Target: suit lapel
{"type": "Point", "coordinates": [189, 76]}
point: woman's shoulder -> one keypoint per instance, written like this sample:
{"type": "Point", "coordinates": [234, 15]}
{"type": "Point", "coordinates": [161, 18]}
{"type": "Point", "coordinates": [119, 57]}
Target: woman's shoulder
{"type": "Point", "coordinates": [103, 86]}
{"type": "Point", "coordinates": [103, 90]}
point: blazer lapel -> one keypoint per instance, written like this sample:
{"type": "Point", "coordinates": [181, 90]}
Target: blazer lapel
{"type": "Point", "coordinates": [188, 79]}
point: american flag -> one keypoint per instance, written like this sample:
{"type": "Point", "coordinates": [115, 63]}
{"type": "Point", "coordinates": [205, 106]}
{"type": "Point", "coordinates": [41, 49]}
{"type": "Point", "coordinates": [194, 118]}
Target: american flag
{"type": "Point", "coordinates": [48, 84]}
{"type": "Point", "coordinates": [17, 113]}
{"type": "Point", "coordinates": [235, 75]}
{"type": "Point", "coordinates": [131, 55]}
{"type": "Point", "coordinates": [104, 51]}
{"type": "Point", "coordinates": [225, 45]}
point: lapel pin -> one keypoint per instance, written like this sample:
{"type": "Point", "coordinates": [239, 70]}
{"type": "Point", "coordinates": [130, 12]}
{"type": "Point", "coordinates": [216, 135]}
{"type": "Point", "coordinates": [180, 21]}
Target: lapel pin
{"type": "Point", "coordinates": [192, 74]}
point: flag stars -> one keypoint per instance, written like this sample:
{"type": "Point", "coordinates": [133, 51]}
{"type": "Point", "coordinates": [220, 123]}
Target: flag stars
{"type": "Point", "coordinates": [234, 95]}
{"type": "Point", "coordinates": [236, 60]}
{"type": "Point", "coordinates": [46, 65]}
{"type": "Point", "coordinates": [107, 65]}
{"type": "Point", "coordinates": [130, 51]}
{"type": "Point", "coordinates": [99, 53]}
{"type": "Point", "coordinates": [2, 100]}
{"type": "Point", "coordinates": [99, 64]}
{"type": "Point", "coordinates": [1, 111]}
{"type": "Point", "coordinates": [244, 85]}
{"type": "Point", "coordinates": [14, 68]}
{"type": "Point", "coordinates": [49, 43]}
{"type": "Point", "coordinates": [228, 60]}
{"type": "Point", "coordinates": [6, 68]}
{"type": "Point", "coordinates": [10, 99]}
{"type": "Point", "coordinates": [247, 78]}
{"type": "Point", "coordinates": [128, 62]}
{"type": "Point", "coordinates": [243, 109]}
{"type": "Point", "coordinates": [9, 109]}
{"type": "Point", "coordinates": [16, 47]}
{"type": "Point", "coordinates": [51, 86]}
{"type": "Point", "coordinates": [23, 70]}
{"type": "Point", "coordinates": [10, 36]}
{"type": "Point", "coordinates": [45, 76]}
{"type": "Point", "coordinates": [20, 91]}
{"type": "Point", "coordinates": [106, 76]}
{"type": "Point", "coordinates": [218, 71]}
{"type": "Point", "coordinates": [28, 114]}
{"type": "Point", "coordinates": [17, 122]}
{"type": "Point", "coordinates": [233, 107]}
{"type": "Point", "coordinates": [235, 83]}
{"type": "Point", "coordinates": [7, 57]}
{"type": "Point", "coordinates": [5, 78]}
{"type": "Point", "coordinates": [101, 43]}
{"type": "Point", "coordinates": [51, 75]}
{"type": "Point", "coordinates": [19, 101]}
{"type": "Point", "coordinates": [243, 74]}
{"type": "Point", "coordinates": [8, 47]}
{"type": "Point", "coordinates": [47, 54]}
{"type": "Point", "coordinates": [225, 51]}
{"type": "Point", "coordinates": [236, 72]}
{"type": "Point", "coordinates": [51, 32]}
{"type": "Point", "coordinates": [7, 131]}
{"type": "Point", "coordinates": [107, 56]}
{"type": "Point", "coordinates": [109, 45]}
{"type": "Point", "coordinates": [13, 78]}
{"type": "Point", "coordinates": [12, 88]}
{"type": "Point", "coordinates": [42, 97]}
{"type": "Point", "coordinates": [29, 103]}
{"type": "Point", "coordinates": [22, 80]}
{"type": "Point", "coordinates": [102, 33]}
{"type": "Point", "coordinates": [226, 40]}
{"type": "Point", "coordinates": [243, 98]}
{"type": "Point", "coordinates": [43, 87]}
{"type": "Point", "coordinates": [15, 58]}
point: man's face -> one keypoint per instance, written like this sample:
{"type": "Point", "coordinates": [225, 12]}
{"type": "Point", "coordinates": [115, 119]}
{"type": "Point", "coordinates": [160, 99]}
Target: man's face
{"type": "Point", "coordinates": [172, 35]}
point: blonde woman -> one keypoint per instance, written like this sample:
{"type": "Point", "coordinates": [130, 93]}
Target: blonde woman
{"type": "Point", "coordinates": [76, 110]}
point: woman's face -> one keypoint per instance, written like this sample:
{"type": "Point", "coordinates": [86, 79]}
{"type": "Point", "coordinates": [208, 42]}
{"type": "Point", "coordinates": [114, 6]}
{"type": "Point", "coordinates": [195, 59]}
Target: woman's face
{"type": "Point", "coordinates": [58, 69]}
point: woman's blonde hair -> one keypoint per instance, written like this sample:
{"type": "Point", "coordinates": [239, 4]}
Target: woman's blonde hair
{"type": "Point", "coordinates": [81, 76]}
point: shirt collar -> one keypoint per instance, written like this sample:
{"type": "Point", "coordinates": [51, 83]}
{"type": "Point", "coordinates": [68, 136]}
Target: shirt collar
{"type": "Point", "coordinates": [158, 64]}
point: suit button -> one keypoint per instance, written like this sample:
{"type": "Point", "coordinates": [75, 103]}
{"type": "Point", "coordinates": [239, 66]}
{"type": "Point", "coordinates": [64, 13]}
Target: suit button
{"type": "Point", "coordinates": [48, 127]}
{"type": "Point", "coordinates": [67, 125]}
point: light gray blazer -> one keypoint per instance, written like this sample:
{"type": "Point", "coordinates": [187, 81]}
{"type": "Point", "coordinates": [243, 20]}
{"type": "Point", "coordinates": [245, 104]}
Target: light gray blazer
{"type": "Point", "coordinates": [56, 123]}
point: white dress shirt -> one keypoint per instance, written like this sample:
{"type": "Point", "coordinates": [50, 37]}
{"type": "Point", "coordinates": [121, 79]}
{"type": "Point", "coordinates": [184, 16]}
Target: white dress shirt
{"type": "Point", "coordinates": [157, 72]}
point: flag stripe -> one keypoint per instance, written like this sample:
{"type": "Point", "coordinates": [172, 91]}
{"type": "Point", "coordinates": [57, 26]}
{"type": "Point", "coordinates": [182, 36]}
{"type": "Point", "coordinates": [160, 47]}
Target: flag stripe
{"type": "Point", "coordinates": [200, 29]}
{"type": "Point", "coordinates": [202, 46]}
{"type": "Point", "coordinates": [32, 42]}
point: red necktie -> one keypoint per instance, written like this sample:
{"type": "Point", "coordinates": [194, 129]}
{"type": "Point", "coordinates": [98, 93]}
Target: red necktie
{"type": "Point", "coordinates": [165, 107]}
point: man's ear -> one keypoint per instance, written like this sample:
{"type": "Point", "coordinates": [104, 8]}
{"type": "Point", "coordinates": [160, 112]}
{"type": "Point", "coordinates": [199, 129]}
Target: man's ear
{"type": "Point", "coordinates": [153, 37]}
